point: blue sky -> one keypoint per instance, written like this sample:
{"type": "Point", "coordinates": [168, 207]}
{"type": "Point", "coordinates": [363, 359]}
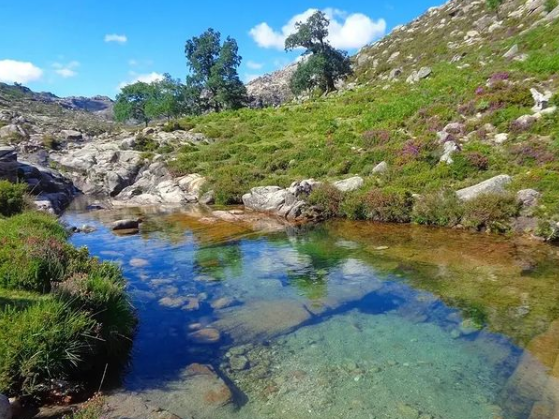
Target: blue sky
{"type": "Point", "coordinates": [89, 47]}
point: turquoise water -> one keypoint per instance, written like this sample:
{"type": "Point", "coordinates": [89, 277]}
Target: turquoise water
{"type": "Point", "coordinates": [339, 321]}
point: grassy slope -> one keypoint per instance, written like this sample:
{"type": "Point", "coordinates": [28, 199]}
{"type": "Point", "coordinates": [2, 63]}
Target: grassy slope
{"type": "Point", "coordinates": [331, 138]}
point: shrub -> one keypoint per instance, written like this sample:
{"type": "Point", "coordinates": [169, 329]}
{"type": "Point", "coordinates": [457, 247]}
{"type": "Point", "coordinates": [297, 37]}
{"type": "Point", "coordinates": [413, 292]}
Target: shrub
{"type": "Point", "coordinates": [376, 137]}
{"type": "Point", "coordinates": [388, 205]}
{"type": "Point", "coordinates": [550, 5]}
{"type": "Point", "coordinates": [491, 212]}
{"type": "Point", "coordinates": [440, 209]}
{"type": "Point", "coordinates": [12, 198]}
{"type": "Point", "coordinates": [171, 126]}
{"type": "Point", "coordinates": [50, 142]}
{"type": "Point", "coordinates": [353, 206]}
{"type": "Point", "coordinates": [328, 198]}
{"type": "Point", "coordinates": [555, 100]}
{"type": "Point", "coordinates": [477, 160]}
{"type": "Point", "coordinates": [145, 143]}
{"type": "Point", "coordinates": [46, 340]}
{"type": "Point", "coordinates": [493, 4]}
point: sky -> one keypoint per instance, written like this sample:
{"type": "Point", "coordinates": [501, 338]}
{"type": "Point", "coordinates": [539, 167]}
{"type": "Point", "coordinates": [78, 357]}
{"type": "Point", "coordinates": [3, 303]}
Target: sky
{"type": "Point", "coordinates": [94, 47]}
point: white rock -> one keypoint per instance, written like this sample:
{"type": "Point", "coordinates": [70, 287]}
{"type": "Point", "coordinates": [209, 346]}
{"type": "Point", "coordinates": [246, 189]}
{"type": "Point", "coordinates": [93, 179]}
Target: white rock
{"type": "Point", "coordinates": [348, 185]}
{"type": "Point", "coordinates": [501, 138]}
{"type": "Point", "coordinates": [495, 185]}
{"type": "Point", "coordinates": [382, 167]}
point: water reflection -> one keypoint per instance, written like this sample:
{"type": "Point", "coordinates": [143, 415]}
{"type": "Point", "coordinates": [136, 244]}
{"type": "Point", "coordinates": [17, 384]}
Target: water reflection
{"type": "Point", "coordinates": [397, 320]}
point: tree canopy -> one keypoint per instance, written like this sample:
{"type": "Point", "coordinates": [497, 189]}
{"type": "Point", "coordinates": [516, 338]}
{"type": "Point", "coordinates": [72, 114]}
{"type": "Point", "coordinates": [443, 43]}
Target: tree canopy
{"type": "Point", "coordinates": [213, 77]}
{"type": "Point", "coordinates": [322, 64]}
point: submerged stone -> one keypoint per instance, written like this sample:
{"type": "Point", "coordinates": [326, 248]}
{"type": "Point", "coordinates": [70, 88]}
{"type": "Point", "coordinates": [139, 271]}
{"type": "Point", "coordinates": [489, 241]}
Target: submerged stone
{"type": "Point", "coordinates": [205, 336]}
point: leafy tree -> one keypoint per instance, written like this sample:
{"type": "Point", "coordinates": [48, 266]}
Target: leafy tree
{"type": "Point", "coordinates": [213, 78]}
{"type": "Point", "coordinates": [322, 64]}
{"type": "Point", "coordinates": [133, 102]}
{"type": "Point", "coordinates": [168, 99]}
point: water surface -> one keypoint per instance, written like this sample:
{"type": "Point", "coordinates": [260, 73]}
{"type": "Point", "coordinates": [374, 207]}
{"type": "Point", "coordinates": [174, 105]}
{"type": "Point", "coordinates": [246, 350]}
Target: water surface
{"type": "Point", "coordinates": [343, 320]}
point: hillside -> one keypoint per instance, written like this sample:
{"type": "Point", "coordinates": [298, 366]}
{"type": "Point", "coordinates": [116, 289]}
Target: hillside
{"type": "Point", "coordinates": [467, 115]}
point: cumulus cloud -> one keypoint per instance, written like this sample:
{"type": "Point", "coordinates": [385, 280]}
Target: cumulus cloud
{"type": "Point", "coordinates": [145, 78]}
{"type": "Point", "coordinates": [12, 71]}
{"type": "Point", "coordinates": [66, 70]}
{"type": "Point", "coordinates": [113, 37]}
{"type": "Point", "coordinates": [254, 65]}
{"type": "Point", "coordinates": [347, 30]}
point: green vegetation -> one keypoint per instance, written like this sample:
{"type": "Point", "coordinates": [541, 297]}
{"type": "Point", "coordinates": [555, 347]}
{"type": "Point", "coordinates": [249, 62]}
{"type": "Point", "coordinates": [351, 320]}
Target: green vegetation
{"type": "Point", "coordinates": [493, 4]}
{"type": "Point", "coordinates": [550, 5]}
{"type": "Point", "coordinates": [323, 65]}
{"type": "Point", "coordinates": [62, 313]}
{"type": "Point", "coordinates": [12, 198]}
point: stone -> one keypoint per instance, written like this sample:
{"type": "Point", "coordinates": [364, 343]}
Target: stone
{"type": "Point", "coordinates": [130, 406]}
{"type": "Point", "coordinates": [524, 122]}
{"type": "Point", "coordinates": [528, 197]}
{"type": "Point", "coordinates": [208, 198]}
{"type": "Point", "coordinates": [172, 302]}
{"type": "Point", "coordinates": [349, 185]}
{"type": "Point", "coordinates": [541, 99]}
{"type": "Point", "coordinates": [238, 363]}
{"type": "Point", "coordinates": [138, 263]}
{"type": "Point", "coordinates": [450, 147]}
{"type": "Point", "coordinates": [72, 135]}
{"type": "Point", "coordinates": [8, 154]}
{"type": "Point", "coordinates": [395, 73]}
{"type": "Point", "coordinates": [495, 185]}
{"type": "Point", "coordinates": [192, 304]}
{"type": "Point", "coordinates": [5, 408]}
{"type": "Point", "coordinates": [512, 52]}
{"type": "Point", "coordinates": [380, 168]}
{"type": "Point", "coordinates": [205, 336]}
{"type": "Point", "coordinates": [500, 138]}
{"type": "Point", "coordinates": [127, 224]}
{"type": "Point", "coordinates": [416, 76]}
{"type": "Point", "coordinates": [223, 302]}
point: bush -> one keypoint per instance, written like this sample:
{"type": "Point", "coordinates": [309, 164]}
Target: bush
{"type": "Point", "coordinates": [353, 206]}
{"type": "Point", "coordinates": [491, 212]}
{"type": "Point", "coordinates": [50, 142]}
{"type": "Point", "coordinates": [328, 198]}
{"type": "Point", "coordinates": [145, 143]}
{"type": "Point", "coordinates": [439, 209]}
{"type": "Point", "coordinates": [46, 340]}
{"type": "Point", "coordinates": [12, 198]}
{"type": "Point", "coordinates": [550, 5]}
{"type": "Point", "coordinates": [388, 205]}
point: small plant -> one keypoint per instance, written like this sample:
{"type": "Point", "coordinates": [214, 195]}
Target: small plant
{"type": "Point", "coordinates": [388, 205]}
{"type": "Point", "coordinates": [376, 137]}
{"type": "Point", "coordinates": [328, 198]}
{"type": "Point", "coordinates": [551, 5]}
{"type": "Point", "coordinates": [491, 212]}
{"type": "Point", "coordinates": [547, 230]}
{"type": "Point", "coordinates": [171, 126]}
{"type": "Point", "coordinates": [12, 198]}
{"type": "Point", "coordinates": [145, 143]}
{"type": "Point", "coordinates": [50, 142]}
{"type": "Point", "coordinates": [493, 5]}
{"type": "Point", "coordinates": [439, 209]}
{"type": "Point", "coordinates": [477, 160]}
{"type": "Point", "coordinates": [92, 409]}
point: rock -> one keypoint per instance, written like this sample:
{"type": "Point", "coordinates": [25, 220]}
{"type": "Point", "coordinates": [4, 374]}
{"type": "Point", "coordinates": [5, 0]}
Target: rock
{"type": "Point", "coordinates": [500, 138]}
{"type": "Point", "coordinates": [450, 147]}
{"type": "Point", "coordinates": [349, 185]}
{"type": "Point", "coordinates": [271, 89]}
{"type": "Point", "coordinates": [455, 128]}
{"type": "Point", "coordinates": [207, 386]}
{"type": "Point", "coordinates": [172, 302]}
{"type": "Point", "coordinates": [528, 197]}
{"type": "Point", "coordinates": [380, 168]}
{"type": "Point", "coordinates": [394, 56]}
{"type": "Point", "coordinates": [495, 185]}
{"type": "Point", "coordinates": [541, 99]}
{"type": "Point", "coordinates": [525, 122]}
{"type": "Point", "coordinates": [192, 304]}
{"type": "Point", "coordinates": [138, 263]}
{"type": "Point", "coordinates": [130, 406]}
{"type": "Point", "coordinates": [395, 73]}
{"type": "Point", "coordinates": [238, 363]}
{"type": "Point", "coordinates": [223, 302]}
{"type": "Point", "coordinates": [8, 154]}
{"type": "Point", "coordinates": [208, 198]}
{"type": "Point", "coordinates": [5, 408]}
{"type": "Point", "coordinates": [125, 225]}
{"type": "Point", "coordinates": [416, 76]}
{"type": "Point", "coordinates": [512, 52]}
{"type": "Point", "coordinates": [205, 336]}
{"type": "Point", "coordinates": [71, 135]}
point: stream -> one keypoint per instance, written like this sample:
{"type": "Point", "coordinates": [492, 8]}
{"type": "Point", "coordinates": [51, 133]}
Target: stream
{"type": "Point", "coordinates": [339, 320]}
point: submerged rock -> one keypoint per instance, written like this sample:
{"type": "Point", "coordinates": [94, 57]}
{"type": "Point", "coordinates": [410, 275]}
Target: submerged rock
{"type": "Point", "coordinates": [128, 224]}
{"type": "Point", "coordinates": [238, 363]}
{"type": "Point", "coordinates": [205, 336]}
{"type": "Point", "coordinates": [223, 302]}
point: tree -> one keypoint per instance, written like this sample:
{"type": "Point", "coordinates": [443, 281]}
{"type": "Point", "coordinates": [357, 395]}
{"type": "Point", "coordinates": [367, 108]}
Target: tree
{"type": "Point", "coordinates": [322, 65]}
{"type": "Point", "coordinates": [133, 102]}
{"type": "Point", "coordinates": [168, 99]}
{"type": "Point", "coordinates": [213, 77]}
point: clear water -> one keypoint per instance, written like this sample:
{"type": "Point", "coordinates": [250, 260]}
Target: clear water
{"type": "Point", "coordinates": [345, 320]}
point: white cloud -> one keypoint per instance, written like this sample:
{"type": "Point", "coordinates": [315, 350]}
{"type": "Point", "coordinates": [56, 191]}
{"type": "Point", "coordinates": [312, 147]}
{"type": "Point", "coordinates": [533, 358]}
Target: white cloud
{"type": "Point", "coordinates": [66, 70]}
{"type": "Point", "coordinates": [132, 62]}
{"type": "Point", "coordinates": [347, 30]}
{"type": "Point", "coordinates": [145, 78]}
{"type": "Point", "coordinates": [12, 71]}
{"type": "Point", "coordinates": [113, 37]}
{"type": "Point", "coordinates": [254, 65]}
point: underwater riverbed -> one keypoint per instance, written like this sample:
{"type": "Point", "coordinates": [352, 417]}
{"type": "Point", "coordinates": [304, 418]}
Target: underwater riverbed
{"type": "Point", "coordinates": [341, 320]}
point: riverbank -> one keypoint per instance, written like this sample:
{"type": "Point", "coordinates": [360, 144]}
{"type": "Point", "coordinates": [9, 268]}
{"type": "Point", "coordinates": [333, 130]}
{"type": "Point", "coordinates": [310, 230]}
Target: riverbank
{"type": "Point", "coordinates": [65, 317]}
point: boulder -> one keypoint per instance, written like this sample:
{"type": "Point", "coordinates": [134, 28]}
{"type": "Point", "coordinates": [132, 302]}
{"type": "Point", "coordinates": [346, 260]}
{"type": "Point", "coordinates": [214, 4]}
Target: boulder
{"type": "Point", "coordinates": [416, 76]}
{"type": "Point", "coordinates": [205, 336]}
{"type": "Point", "coordinates": [125, 225]}
{"type": "Point", "coordinates": [208, 198]}
{"type": "Point", "coordinates": [71, 135]}
{"type": "Point", "coordinates": [5, 408]}
{"type": "Point", "coordinates": [495, 185]}
{"type": "Point", "coordinates": [395, 73]}
{"type": "Point", "coordinates": [528, 197]}
{"type": "Point", "coordinates": [380, 168]}
{"type": "Point", "coordinates": [450, 147]}
{"type": "Point", "coordinates": [511, 53]}
{"type": "Point", "coordinates": [349, 185]}
{"type": "Point", "coordinates": [541, 99]}
{"type": "Point", "coordinates": [8, 154]}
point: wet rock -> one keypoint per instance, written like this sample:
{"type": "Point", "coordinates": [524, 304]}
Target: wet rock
{"type": "Point", "coordinates": [125, 225]}
{"type": "Point", "coordinates": [208, 198]}
{"type": "Point", "coordinates": [206, 386]}
{"type": "Point", "coordinates": [206, 278]}
{"type": "Point", "coordinates": [238, 363]}
{"type": "Point", "coordinates": [205, 336]}
{"type": "Point", "coordinates": [86, 229]}
{"type": "Point", "coordinates": [124, 405]}
{"type": "Point", "coordinates": [138, 263]}
{"type": "Point", "coordinates": [172, 302]}
{"type": "Point", "coordinates": [349, 185]}
{"type": "Point", "coordinates": [5, 408]}
{"type": "Point", "coordinates": [408, 412]}
{"type": "Point", "coordinates": [192, 304]}
{"type": "Point", "coordinates": [223, 302]}
{"type": "Point", "coordinates": [495, 185]}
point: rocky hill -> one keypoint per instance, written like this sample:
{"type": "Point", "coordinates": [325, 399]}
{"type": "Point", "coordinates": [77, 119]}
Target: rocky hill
{"type": "Point", "coordinates": [271, 89]}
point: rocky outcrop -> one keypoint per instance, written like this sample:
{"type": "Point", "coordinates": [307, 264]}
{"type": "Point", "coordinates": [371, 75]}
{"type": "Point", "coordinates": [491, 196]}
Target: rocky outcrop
{"type": "Point", "coordinates": [287, 203]}
{"type": "Point", "coordinates": [271, 89]}
{"type": "Point", "coordinates": [495, 185]}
